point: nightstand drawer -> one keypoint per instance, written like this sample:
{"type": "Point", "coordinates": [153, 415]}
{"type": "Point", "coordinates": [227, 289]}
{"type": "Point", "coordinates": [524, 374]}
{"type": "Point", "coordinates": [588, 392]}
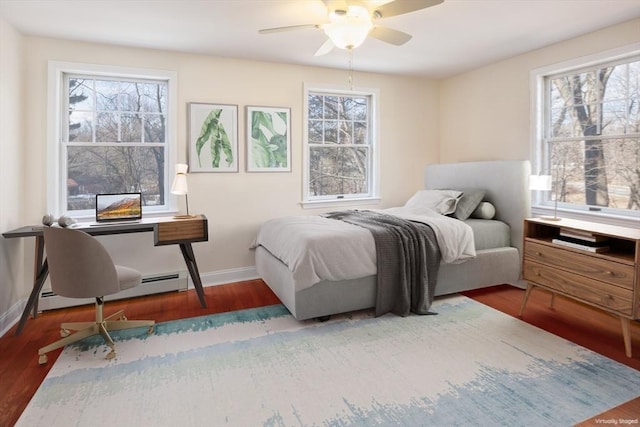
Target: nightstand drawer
{"type": "Point", "coordinates": [583, 288]}
{"type": "Point", "coordinates": [585, 264]}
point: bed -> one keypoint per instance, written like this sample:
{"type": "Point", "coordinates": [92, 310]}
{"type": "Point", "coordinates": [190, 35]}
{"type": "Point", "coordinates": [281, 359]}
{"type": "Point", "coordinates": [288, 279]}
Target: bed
{"type": "Point", "coordinates": [505, 187]}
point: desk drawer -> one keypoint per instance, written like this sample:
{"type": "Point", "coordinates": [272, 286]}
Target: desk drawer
{"type": "Point", "coordinates": [585, 264]}
{"type": "Point", "coordinates": [583, 288]}
{"type": "Point", "coordinates": [181, 231]}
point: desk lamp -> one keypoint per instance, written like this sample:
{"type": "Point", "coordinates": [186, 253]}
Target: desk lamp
{"type": "Point", "coordinates": [181, 187]}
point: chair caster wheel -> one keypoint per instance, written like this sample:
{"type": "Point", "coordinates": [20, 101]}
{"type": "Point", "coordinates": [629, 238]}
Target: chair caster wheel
{"type": "Point", "coordinates": [151, 330]}
{"type": "Point", "coordinates": [64, 333]}
{"type": "Point", "coordinates": [42, 360]}
{"type": "Point", "coordinates": [111, 355]}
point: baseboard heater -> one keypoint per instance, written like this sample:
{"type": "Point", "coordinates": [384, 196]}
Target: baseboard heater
{"type": "Point", "coordinates": [151, 284]}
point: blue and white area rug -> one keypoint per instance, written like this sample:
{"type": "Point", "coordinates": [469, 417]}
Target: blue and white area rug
{"type": "Point", "coordinates": [468, 365]}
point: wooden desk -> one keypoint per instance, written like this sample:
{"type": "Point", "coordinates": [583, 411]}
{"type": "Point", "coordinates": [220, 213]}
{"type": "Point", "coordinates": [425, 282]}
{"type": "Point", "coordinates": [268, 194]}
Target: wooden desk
{"type": "Point", "coordinates": [167, 231]}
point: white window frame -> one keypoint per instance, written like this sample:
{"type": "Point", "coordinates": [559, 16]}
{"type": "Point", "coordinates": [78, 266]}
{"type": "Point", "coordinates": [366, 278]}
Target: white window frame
{"type": "Point", "coordinates": [373, 196]}
{"type": "Point", "coordinates": [56, 163]}
{"type": "Point", "coordinates": [541, 203]}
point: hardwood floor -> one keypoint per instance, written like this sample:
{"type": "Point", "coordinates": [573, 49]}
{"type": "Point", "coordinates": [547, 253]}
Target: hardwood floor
{"type": "Point", "coordinates": [20, 374]}
{"type": "Point", "coordinates": [581, 324]}
{"type": "Point", "coordinates": [573, 321]}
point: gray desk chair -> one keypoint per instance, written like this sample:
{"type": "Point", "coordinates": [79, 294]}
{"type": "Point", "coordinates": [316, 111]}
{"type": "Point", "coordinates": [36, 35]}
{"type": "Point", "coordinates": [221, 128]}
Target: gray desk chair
{"type": "Point", "coordinates": [80, 267]}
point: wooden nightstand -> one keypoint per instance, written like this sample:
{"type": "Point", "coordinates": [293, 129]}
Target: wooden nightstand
{"type": "Point", "coordinates": [608, 280]}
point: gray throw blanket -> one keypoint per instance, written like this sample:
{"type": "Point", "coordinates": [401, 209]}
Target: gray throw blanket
{"type": "Point", "coordinates": [408, 259]}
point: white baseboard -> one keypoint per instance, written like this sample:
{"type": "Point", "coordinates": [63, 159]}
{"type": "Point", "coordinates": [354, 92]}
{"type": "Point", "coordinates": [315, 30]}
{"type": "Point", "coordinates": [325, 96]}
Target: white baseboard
{"type": "Point", "coordinates": [11, 317]}
{"type": "Point", "coordinates": [151, 284]}
{"type": "Point", "coordinates": [222, 277]}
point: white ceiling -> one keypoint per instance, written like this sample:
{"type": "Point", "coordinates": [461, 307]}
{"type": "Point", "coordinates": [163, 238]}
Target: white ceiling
{"type": "Point", "coordinates": [453, 37]}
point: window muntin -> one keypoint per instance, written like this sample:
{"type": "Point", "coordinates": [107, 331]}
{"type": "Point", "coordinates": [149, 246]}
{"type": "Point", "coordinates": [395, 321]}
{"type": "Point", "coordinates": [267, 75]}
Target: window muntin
{"type": "Point", "coordinates": [340, 145]}
{"type": "Point", "coordinates": [113, 139]}
{"type": "Point", "coordinates": [591, 137]}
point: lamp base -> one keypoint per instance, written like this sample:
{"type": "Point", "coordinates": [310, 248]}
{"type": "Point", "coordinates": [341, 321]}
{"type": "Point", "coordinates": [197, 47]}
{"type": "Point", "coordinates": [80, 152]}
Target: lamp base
{"type": "Point", "coordinates": [184, 216]}
{"type": "Point", "coordinates": [550, 218]}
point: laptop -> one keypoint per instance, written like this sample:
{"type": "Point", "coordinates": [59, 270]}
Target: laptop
{"type": "Point", "coordinates": [118, 208]}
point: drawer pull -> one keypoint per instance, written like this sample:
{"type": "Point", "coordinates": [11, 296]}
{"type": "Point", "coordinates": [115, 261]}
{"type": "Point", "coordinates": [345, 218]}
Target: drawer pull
{"type": "Point", "coordinates": [609, 273]}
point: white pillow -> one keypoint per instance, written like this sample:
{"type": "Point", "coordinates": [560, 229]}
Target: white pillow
{"type": "Point", "coordinates": [485, 210]}
{"type": "Point", "coordinates": [441, 201]}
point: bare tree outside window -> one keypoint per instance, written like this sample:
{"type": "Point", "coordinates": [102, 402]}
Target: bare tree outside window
{"type": "Point", "coordinates": [592, 143]}
{"type": "Point", "coordinates": [339, 145]}
{"type": "Point", "coordinates": [115, 139]}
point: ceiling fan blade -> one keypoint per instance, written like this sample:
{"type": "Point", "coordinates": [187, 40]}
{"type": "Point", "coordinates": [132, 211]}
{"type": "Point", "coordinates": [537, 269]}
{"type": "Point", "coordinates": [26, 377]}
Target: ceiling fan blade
{"type": "Point", "coordinates": [389, 35]}
{"type": "Point", "coordinates": [325, 48]}
{"type": "Point", "coordinates": [398, 7]}
{"type": "Point", "coordinates": [289, 28]}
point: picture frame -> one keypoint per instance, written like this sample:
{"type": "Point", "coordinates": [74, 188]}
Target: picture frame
{"type": "Point", "coordinates": [213, 137]}
{"type": "Point", "coordinates": [268, 133]}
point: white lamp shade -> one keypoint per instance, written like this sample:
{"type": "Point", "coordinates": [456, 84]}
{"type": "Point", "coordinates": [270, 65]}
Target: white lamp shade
{"type": "Point", "coordinates": [180, 185]}
{"type": "Point", "coordinates": [350, 31]}
{"type": "Point", "coordinates": [540, 182]}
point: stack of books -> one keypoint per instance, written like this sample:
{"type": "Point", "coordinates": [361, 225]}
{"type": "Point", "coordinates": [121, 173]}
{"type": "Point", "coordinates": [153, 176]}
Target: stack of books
{"type": "Point", "coordinates": [584, 240]}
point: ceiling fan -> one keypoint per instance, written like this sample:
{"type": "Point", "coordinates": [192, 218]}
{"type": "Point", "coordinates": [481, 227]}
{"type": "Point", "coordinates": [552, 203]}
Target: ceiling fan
{"type": "Point", "coordinates": [351, 21]}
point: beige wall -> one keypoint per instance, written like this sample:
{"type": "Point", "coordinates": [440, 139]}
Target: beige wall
{"type": "Point", "coordinates": [485, 113]}
{"type": "Point", "coordinates": [237, 203]}
{"type": "Point", "coordinates": [12, 191]}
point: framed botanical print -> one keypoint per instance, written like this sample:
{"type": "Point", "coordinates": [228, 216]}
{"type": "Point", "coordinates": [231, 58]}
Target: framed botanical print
{"type": "Point", "coordinates": [213, 137]}
{"type": "Point", "coordinates": [268, 139]}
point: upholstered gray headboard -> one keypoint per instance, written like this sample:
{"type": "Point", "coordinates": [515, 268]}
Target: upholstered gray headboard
{"type": "Point", "coordinates": [506, 183]}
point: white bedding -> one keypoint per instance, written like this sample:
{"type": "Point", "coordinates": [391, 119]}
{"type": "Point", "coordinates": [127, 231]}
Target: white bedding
{"type": "Point", "coordinates": [315, 248]}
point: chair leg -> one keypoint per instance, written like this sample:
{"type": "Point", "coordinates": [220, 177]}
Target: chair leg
{"type": "Point", "coordinates": [92, 330]}
{"type": "Point", "coordinates": [123, 323]}
{"type": "Point", "coordinates": [108, 340]}
{"type": "Point", "coordinates": [116, 325]}
{"type": "Point", "coordinates": [119, 314]}
{"type": "Point", "coordinates": [100, 326]}
{"type": "Point", "coordinates": [76, 326]}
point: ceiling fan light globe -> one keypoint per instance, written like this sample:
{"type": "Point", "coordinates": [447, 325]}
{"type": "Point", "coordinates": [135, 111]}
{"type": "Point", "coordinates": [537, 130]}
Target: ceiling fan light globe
{"type": "Point", "coordinates": [348, 33]}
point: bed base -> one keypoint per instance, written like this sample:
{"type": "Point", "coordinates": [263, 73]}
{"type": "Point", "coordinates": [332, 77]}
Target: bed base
{"type": "Point", "coordinates": [325, 298]}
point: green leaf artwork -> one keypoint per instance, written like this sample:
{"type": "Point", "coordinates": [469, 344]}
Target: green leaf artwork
{"type": "Point", "coordinates": [213, 132]}
{"type": "Point", "coordinates": [269, 139]}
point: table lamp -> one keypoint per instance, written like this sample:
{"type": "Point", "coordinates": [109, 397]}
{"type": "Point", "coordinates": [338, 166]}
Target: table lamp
{"type": "Point", "coordinates": [544, 183]}
{"type": "Point", "coordinates": [181, 187]}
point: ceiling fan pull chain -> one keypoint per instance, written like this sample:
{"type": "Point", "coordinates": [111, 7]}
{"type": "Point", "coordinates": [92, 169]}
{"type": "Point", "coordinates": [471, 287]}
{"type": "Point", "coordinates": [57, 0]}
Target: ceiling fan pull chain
{"type": "Point", "coordinates": [351, 69]}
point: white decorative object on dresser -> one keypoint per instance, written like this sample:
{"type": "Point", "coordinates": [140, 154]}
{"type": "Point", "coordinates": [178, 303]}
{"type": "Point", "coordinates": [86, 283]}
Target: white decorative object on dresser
{"type": "Point", "coordinates": [597, 264]}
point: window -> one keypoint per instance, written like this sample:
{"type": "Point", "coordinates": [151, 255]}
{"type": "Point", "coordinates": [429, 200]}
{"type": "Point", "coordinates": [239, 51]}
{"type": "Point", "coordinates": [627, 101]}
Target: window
{"type": "Point", "coordinates": [112, 135]}
{"type": "Point", "coordinates": [589, 139]}
{"type": "Point", "coordinates": [339, 146]}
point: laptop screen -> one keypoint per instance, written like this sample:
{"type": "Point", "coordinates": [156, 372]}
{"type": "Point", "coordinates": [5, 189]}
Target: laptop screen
{"type": "Point", "coordinates": [118, 207]}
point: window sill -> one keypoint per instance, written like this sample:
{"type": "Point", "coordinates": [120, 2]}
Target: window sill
{"type": "Point", "coordinates": [623, 221]}
{"type": "Point", "coordinates": [317, 204]}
